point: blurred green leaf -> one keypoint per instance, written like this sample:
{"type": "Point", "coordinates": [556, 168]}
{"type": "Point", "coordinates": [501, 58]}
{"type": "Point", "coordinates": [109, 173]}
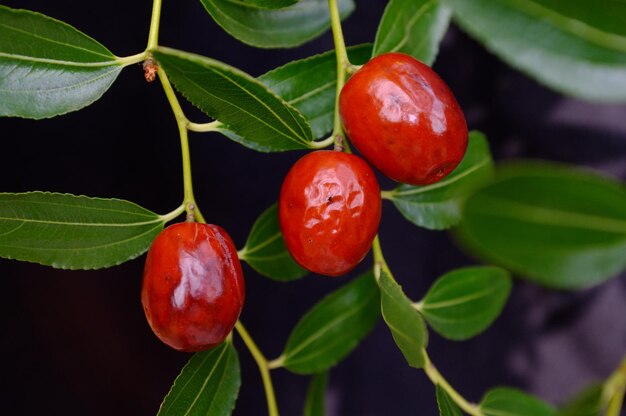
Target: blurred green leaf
{"type": "Point", "coordinates": [586, 403]}
{"type": "Point", "coordinates": [578, 48]}
{"type": "Point", "coordinates": [309, 85]}
{"type": "Point", "coordinates": [48, 68]}
{"type": "Point", "coordinates": [265, 250]}
{"type": "Point", "coordinates": [414, 27]}
{"type": "Point", "coordinates": [316, 396]}
{"type": "Point", "coordinates": [446, 405]}
{"type": "Point", "coordinates": [208, 385]}
{"type": "Point", "coordinates": [406, 324]}
{"type": "Point", "coordinates": [74, 232]}
{"type": "Point", "coordinates": [267, 4]}
{"type": "Point", "coordinates": [333, 327]}
{"type": "Point", "coordinates": [510, 402]}
{"type": "Point", "coordinates": [438, 206]}
{"type": "Point", "coordinates": [283, 28]}
{"type": "Point", "coordinates": [560, 226]}
{"type": "Point", "coordinates": [244, 105]}
{"type": "Point", "coordinates": [464, 302]}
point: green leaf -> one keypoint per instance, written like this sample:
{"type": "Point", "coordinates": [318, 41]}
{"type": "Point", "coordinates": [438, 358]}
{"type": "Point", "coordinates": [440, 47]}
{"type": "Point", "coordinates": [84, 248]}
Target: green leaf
{"type": "Point", "coordinates": [406, 325]}
{"type": "Point", "coordinates": [559, 226]}
{"type": "Point", "coordinates": [244, 105]}
{"type": "Point", "coordinates": [207, 386]}
{"type": "Point", "coordinates": [48, 68]}
{"type": "Point", "coordinates": [265, 250]}
{"type": "Point", "coordinates": [316, 396]}
{"type": "Point", "coordinates": [464, 302]}
{"type": "Point", "coordinates": [284, 28]}
{"type": "Point", "coordinates": [267, 4]}
{"type": "Point", "coordinates": [510, 402]}
{"type": "Point", "coordinates": [414, 27]}
{"type": "Point", "coordinates": [333, 327]}
{"type": "Point", "coordinates": [578, 48]}
{"type": "Point", "coordinates": [309, 85]}
{"type": "Point", "coordinates": [446, 405]}
{"type": "Point", "coordinates": [74, 232]}
{"type": "Point", "coordinates": [438, 206]}
{"type": "Point", "coordinates": [586, 403]}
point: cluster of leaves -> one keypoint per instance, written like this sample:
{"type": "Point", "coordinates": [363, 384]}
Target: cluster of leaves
{"type": "Point", "coordinates": [527, 218]}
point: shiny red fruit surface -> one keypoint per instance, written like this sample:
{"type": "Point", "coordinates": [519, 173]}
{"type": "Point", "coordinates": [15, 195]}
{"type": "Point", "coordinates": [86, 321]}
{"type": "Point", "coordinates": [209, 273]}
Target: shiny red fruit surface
{"type": "Point", "coordinates": [193, 288]}
{"type": "Point", "coordinates": [329, 210]}
{"type": "Point", "coordinates": [404, 119]}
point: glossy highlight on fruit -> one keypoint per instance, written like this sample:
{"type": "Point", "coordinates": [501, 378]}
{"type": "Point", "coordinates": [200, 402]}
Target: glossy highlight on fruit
{"type": "Point", "coordinates": [404, 119]}
{"type": "Point", "coordinates": [329, 210]}
{"type": "Point", "coordinates": [193, 288]}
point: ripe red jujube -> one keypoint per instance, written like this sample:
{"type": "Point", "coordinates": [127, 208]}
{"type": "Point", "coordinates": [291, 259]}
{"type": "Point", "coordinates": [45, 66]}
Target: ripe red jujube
{"type": "Point", "coordinates": [404, 119]}
{"type": "Point", "coordinates": [329, 211]}
{"type": "Point", "coordinates": [193, 288]}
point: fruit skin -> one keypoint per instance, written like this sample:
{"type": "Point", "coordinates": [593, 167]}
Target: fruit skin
{"type": "Point", "coordinates": [329, 210]}
{"type": "Point", "coordinates": [193, 288]}
{"type": "Point", "coordinates": [404, 119]}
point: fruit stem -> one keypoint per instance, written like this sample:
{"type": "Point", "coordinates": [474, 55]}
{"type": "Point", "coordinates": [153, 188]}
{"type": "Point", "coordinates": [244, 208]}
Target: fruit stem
{"type": "Point", "coordinates": [261, 362]}
{"type": "Point", "coordinates": [343, 63]}
{"type": "Point", "coordinates": [153, 36]}
{"type": "Point", "coordinates": [189, 201]}
{"type": "Point", "coordinates": [614, 390]}
{"type": "Point", "coordinates": [438, 380]}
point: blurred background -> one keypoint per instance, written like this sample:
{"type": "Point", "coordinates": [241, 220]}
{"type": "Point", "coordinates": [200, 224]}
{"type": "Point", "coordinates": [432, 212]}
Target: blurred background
{"type": "Point", "coordinates": [77, 342]}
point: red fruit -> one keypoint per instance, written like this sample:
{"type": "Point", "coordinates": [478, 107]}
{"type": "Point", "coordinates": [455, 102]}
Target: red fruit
{"type": "Point", "coordinates": [329, 210]}
{"type": "Point", "coordinates": [404, 119]}
{"type": "Point", "coordinates": [193, 288]}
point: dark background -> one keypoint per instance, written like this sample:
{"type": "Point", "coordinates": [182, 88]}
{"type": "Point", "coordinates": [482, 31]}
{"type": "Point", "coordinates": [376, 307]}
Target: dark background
{"type": "Point", "coordinates": [76, 342]}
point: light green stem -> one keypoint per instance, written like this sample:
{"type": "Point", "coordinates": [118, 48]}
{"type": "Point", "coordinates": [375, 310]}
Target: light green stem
{"type": "Point", "coordinates": [171, 215]}
{"type": "Point", "coordinates": [438, 380]}
{"type": "Point", "coordinates": [323, 143]}
{"type": "Point", "coordinates": [189, 201]}
{"type": "Point", "coordinates": [261, 362]}
{"type": "Point", "coordinates": [133, 59]}
{"type": "Point", "coordinates": [343, 63]}
{"type": "Point", "coordinates": [614, 389]}
{"type": "Point", "coordinates": [153, 37]}
{"type": "Point", "coordinates": [204, 127]}
{"type": "Point", "coordinates": [379, 259]}
{"type": "Point", "coordinates": [387, 195]}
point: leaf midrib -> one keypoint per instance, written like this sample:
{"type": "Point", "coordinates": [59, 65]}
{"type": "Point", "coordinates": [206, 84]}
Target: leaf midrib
{"type": "Point", "coordinates": [409, 25]}
{"type": "Point", "coordinates": [314, 336]}
{"type": "Point", "coordinates": [296, 138]}
{"type": "Point", "coordinates": [59, 62]}
{"type": "Point", "coordinates": [442, 183]}
{"type": "Point", "coordinates": [83, 224]}
{"type": "Point", "coordinates": [461, 299]}
{"type": "Point", "coordinates": [547, 216]}
{"type": "Point", "coordinates": [68, 45]}
{"type": "Point", "coordinates": [570, 25]}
